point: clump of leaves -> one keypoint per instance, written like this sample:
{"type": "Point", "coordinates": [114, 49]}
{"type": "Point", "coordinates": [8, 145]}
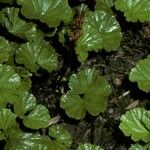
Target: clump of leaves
{"type": "Point", "coordinates": [30, 51]}
{"type": "Point", "coordinates": [136, 122]}
{"type": "Point", "coordinates": [88, 93]}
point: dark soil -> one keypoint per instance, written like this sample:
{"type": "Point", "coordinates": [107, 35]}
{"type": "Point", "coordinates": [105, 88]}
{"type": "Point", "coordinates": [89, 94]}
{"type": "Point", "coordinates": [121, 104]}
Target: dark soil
{"type": "Point", "coordinates": [104, 129]}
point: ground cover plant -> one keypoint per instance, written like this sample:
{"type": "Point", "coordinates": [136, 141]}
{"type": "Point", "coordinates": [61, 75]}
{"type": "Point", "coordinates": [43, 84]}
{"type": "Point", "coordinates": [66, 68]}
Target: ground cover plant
{"type": "Point", "coordinates": [74, 74]}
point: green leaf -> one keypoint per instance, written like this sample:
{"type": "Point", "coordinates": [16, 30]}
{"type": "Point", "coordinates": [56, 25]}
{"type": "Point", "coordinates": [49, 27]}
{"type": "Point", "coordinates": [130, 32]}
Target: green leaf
{"type": "Point", "coordinates": [146, 120]}
{"type": "Point", "coordinates": [134, 124]}
{"type": "Point", "coordinates": [51, 12]}
{"type": "Point", "coordinates": [139, 147]}
{"type": "Point", "coordinates": [7, 118]}
{"type": "Point", "coordinates": [134, 10]}
{"type": "Point", "coordinates": [38, 118]}
{"type": "Point", "coordinates": [9, 18]}
{"type": "Point", "coordinates": [62, 34]}
{"type": "Point", "coordinates": [28, 141]}
{"type": "Point", "coordinates": [89, 92]}
{"type": "Point", "coordinates": [61, 134]}
{"type": "Point", "coordinates": [104, 4]}
{"type": "Point", "coordinates": [141, 74]}
{"type": "Point", "coordinates": [58, 146]}
{"type": "Point", "coordinates": [9, 82]}
{"type": "Point", "coordinates": [100, 31]}
{"type": "Point", "coordinates": [24, 103]}
{"type": "Point", "coordinates": [88, 146]}
{"type": "Point", "coordinates": [5, 50]}
{"type": "Point", "coordinates": [8, 78]}
{"type": "Point", "coordinates": [37, 54]}
{"type": "Point", "coordinates": [24, 74]}
{"type": "Point", "coordinates": [73, 105]}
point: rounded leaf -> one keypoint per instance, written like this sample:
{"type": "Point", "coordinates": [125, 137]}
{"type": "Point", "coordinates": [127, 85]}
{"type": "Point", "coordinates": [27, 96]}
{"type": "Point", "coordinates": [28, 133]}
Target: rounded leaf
{"type": "Point", "coordinates": [7, 118]}
{"type": "Point", "coordinates": [100, 30]}
{"type": "Point", "coordinates": [38, 118]}
{"type": "Point", "coordinates": [35, 54]}
{"type": "Point", "coordinates": [134, 10]}
{"type": "Point", "coordinates": [73, 105]}
{"type": "Point", "coordinates": [10, 19]}
{"type": "Point", "coordinates": [89, 92]}
{"type": "Point", "coordinates": [28, 141]}
{"type": "Point", "coordinates": [5, 50]}
{"type": "Point", "coordinates": [139, 147]}
{"type": "Point", "coordinates": [61, 134]}
{"type": "Point", "coordinates": [104, 4]}
{"type": "Point", "coordinates": [24, 103]}
{"type": "Point", "coordinates": [8, 78]}
{"type": "Point", "coordinates": [9, 82]}
{"type": "Point", "coordinates": [133, 124]}
{"type": "Point", "coordinates": [51, 12]}
{"type": "Point", "coordinates": [25, 75]}
{"type": "Point", "coordinates": [141, 74]}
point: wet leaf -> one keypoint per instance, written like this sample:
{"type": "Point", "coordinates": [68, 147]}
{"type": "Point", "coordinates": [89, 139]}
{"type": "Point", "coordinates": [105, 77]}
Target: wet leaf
{"type": "Point", "coordinates": [37, 54]}
{"type": "Point", "coordinates": [88, 146]}
{"type": "Point", "coordinates": [139, 147]}
{"type": "Point", "coordinates": [134, 10]}
{"type": "Point", "coordinates": [28, 141]}
{"type": "Point", "coordinates": [141, 74]}
{"type": "Point", "coordinates": [38, 118]}
{"type": "Point", "coordinates": [9, 82]}
{"type": "Point", "coordinates": [89, 92]}
{"type": "Point", "coordinates": [5, 49]}
{"type": "Point", "coordinates": [50, 12]}
{"type": "Point", "coordinates": [24, 103]}
{"type": "Point", "coordinates": [9, 18]}
{"type": "Point", "coordinates": [7, 118]}
{"type": "Point", "coordinates": [100, 30]}
{"type": "Point", "coordinates": [25, 75]}
{"type": "Point", "coordinates": [104, 4]}
{"type": "Point", "coordinates": [134, 123]}
{"type": "Point", "coordinates": [146, 120]}
{"type": "Point", "coordinates": [8, 78]}
{"type": "Point", "coordinates": [61, 134]}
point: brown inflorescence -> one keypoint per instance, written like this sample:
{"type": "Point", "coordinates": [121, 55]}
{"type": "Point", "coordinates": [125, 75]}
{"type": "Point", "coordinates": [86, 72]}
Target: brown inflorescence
{"type": "Point", "coordinates": [76, 27]}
